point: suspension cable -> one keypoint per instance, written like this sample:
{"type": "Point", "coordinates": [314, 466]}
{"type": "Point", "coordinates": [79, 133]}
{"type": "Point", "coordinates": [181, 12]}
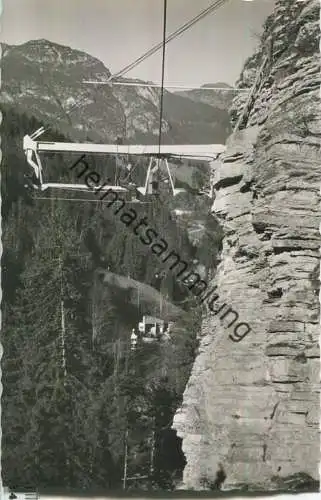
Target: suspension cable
{"type": "Point", "coordinates": [161, 106]}
{"type": "Point", "coordinates": [211, 8]}
{"type": "Point", "coordinates": [167, 86]}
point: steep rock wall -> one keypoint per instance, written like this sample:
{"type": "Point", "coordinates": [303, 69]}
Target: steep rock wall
{"type": "Point", "coordinates": [253, 406]}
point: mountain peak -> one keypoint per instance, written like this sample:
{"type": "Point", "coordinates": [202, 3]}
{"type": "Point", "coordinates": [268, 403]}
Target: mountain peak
{"type": "Point", "coordinates": [43, 43]}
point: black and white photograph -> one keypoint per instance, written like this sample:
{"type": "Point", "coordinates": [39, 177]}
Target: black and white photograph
{"type": "Point", "coordinates": [160, 269]}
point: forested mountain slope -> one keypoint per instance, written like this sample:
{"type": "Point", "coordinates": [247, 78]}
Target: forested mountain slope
{"type": "Point", "coordinates": [221, 98]}
{"type": "Point", "coordinates": [67, 430]}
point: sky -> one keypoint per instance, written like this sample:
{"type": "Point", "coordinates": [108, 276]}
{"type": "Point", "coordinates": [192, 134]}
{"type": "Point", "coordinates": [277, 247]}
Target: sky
{"type": "Point", "coordinates": [119, 31]}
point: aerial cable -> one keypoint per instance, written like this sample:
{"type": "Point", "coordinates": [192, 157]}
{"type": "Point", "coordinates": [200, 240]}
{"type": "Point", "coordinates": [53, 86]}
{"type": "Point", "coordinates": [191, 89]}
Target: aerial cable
{"type": "Point", "coordinates": [172, 36]}
{"type": "Point", "coordinates": [116, 167]}
{"type": "Point", "coordinates": [161, 106]}
{"type": "Point", "coordinates": [211, 8]}
{"type": "Point", "coordinates": [167, 86]}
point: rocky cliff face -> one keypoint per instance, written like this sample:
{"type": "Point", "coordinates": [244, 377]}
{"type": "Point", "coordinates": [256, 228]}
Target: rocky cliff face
{"type": "Point", "coordinates": [253, 406]}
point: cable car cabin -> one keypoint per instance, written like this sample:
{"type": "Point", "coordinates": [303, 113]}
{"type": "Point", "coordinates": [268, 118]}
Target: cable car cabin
{"type": "Point", "coordinates": [153, 329]}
